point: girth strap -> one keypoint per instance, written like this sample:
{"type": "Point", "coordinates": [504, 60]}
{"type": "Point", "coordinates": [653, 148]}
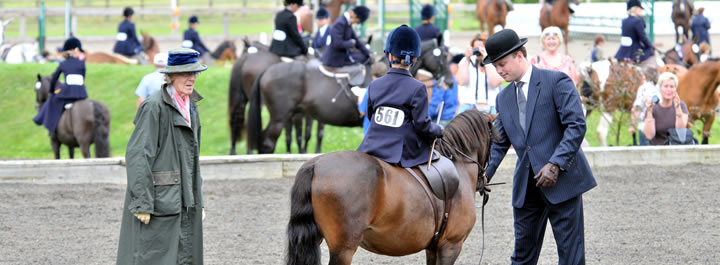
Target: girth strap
{"type": "Point", "coordinates": [439, 229]}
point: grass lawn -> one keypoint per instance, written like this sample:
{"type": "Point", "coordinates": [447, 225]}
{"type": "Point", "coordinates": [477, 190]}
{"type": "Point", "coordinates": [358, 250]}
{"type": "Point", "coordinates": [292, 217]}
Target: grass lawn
{"type": "Point", "coordinates": [115, 86]}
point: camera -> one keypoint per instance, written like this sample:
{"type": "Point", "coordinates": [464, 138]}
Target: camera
{"type": "Point", "coordinates": [655, 100]}
{"type": "Point", "coordinates": [476, 51]}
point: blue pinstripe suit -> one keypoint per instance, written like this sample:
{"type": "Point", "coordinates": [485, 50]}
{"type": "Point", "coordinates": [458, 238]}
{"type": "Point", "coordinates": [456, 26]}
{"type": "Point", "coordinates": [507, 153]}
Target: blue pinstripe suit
{"type": "Point", "coordinates": [555, 127]}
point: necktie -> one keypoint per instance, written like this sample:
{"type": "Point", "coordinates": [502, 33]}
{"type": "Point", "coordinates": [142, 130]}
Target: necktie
{"type": "Point", "coordinates": [521, 101]}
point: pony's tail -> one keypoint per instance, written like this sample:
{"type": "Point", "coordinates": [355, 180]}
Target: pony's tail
{"type": "Point", "coordinates": [304, 237]}
{"type": "Point", "coordinates": [101, 131]}
{"type": "Point", "coordinates": [236, 105]}
{"type": "Point", "coordinates": [254, 117]}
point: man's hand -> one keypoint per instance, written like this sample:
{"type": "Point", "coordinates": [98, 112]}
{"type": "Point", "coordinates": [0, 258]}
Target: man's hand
{"type": "Point", "coordinates": [482, 185]}
{"type": "Point", "coordinates": [547, 177]}
{"type": "Point", "coordinates": [143, 217]}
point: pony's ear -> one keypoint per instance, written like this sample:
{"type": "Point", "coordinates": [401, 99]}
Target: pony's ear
{"type": "Point", "coordinates": [370, 38]}
{"type": "Point", "coordinates": [39, 77]}
{"type": "Point", "coordinates": [440, 40]}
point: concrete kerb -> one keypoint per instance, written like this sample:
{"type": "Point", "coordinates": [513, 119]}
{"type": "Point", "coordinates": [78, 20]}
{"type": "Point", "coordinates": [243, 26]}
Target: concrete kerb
{"type": "Point", "coordinates": [112, 170]}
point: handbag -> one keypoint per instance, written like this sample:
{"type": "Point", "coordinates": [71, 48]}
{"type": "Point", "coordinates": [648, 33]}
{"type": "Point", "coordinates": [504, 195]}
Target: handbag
{"type": "Point", "coordinates": [680, 136]}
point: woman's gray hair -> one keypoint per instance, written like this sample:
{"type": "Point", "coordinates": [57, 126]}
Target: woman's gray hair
{"type": "Point", "coordinates": [667, 76]}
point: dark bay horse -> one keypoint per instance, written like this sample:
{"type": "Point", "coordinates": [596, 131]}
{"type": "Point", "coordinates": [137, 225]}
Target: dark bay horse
{"type": "Point", "coordinates": [698, 88]}
{"type": "Point", "coordinates": [351, 199]}
{"type": "Point", "coordinates": [299, 87]}
{"type": "Point", "coordinates": [557, 14]}
{"type": "Point", "coordinates": [86, 123]}
{"type": "Point", "coordinates": [491, 12]}
{"type": "Point", "coordinates": [682, 11]}
{"type": "Point", "coordinates": [688, 54]}
{"type": "Point", "coordinates": [225, 52]}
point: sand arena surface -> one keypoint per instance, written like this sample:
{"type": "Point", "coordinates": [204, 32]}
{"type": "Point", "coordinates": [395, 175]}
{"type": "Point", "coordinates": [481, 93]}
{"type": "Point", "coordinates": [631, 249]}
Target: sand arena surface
{"type": "Point", "coordinates": [636, 215]}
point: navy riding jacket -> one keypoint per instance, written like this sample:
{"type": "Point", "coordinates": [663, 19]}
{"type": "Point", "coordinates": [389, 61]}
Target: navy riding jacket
{"type": "Point", "coordinates": [700, 26]}
{"type": "Point", "coordinates": [339, 53]}
{"type": "Point", "coordinates": [633, 38]}
{"type": "Point", "coordinates": [191, 39]}
{"type": "Point", "coordinates": [427, 31]}
{"type": "Point", "coordinates": [74, 87]}
{"type": "Point", "coordinates": [400, 129]}
{"type": "Point", "coordinates": [127, 43]}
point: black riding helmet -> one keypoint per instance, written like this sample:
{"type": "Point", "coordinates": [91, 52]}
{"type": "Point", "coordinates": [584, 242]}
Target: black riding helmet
{"type": "Point", "coordinates": [71, 44]}
{"type": "Point", "coordinates": [128, 11]}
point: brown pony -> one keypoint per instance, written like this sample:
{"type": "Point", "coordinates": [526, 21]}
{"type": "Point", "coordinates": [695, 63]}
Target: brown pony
{"type": "Point", "coordinates": [335, 6]}
{"type": "Point", "coordinates": [491, 12]}
{"type": "Point", "coordinates": [86, 123]}
{"type": "Point", "coordinates": [150, 46]}
{"type": "Point", "coordinates": [698, 87]}
{"type": "Point", "coordinates": [305, 18]}
{"type": "Point", "coordinates": [676, 69]}
{"type": "Point", "coordinates": [225, 52]}
{"type": "Point", "coordinates": [682, 11]}
{"type": "Point", "coordinates": [557, 14]}
{"type": "Point", "coordinates": [351, 200]}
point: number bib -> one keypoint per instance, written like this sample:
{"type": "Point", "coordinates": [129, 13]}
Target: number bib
{"type": "Point", "coordinates": [389, 116]}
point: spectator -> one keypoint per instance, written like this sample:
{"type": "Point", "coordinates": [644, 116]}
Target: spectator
{"type": "Point", "coordinates": [550, 58]}
{"type": "Point", "coordinates": [478, 84]}
{"type": "Point", "coordinates": [647, 90]}
{"type": "Point", "coordinates": [449, 96]}
{"type": "Point", "coordinates": [378, 70]}
{"type": "Point", "coordinates": [597, 53]}
{"type": "Point", "coordinates": [152, 82]}
{"type": "Point", "coordinates": [700, 26]}
{"type": "Point", "coordinates": [669, 113]}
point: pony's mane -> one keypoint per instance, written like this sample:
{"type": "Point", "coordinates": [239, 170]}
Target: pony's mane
{"type": "Point", "coordinates": [469, 132]}
{"type": "Point", "coordinates": [220, 49]}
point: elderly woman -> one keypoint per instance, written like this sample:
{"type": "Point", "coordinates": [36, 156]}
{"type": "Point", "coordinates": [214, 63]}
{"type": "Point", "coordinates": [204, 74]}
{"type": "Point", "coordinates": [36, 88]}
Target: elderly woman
{"type": "Point", "coordinates": [163, 211]}
{"type": "Point", "coordinates": [669, 113]}
{"type": "Point", "coordinates": [550, 58]}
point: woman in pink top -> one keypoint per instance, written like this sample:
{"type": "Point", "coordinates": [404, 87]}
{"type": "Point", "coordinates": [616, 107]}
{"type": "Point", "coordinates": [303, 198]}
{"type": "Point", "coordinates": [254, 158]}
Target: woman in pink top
{"type": "Point", "coordinates": [551, 58]}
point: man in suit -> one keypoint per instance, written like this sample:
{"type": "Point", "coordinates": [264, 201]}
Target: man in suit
{"type": "Point", "coordinates": [322, 36]}
{"type": "Point", "coordinates": [287, 41]}
{"type": "Point", "coordinates": [427, 30]}
{"type": "Point", "coordinates": [634, 43]}
{"type": "Point", "coordinates": [191, 39]}
{"type": "Point", "coordinates": [546, 129]}
{"type": "Point", "coordinates": [127, 43]}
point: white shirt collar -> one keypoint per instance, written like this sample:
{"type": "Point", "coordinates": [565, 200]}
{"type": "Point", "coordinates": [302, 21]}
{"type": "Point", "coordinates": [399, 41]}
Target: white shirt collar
{"type": "Point", "coordinates": [323, 29]}
{"type": "Point", "coordinates": [347, 16]}
{"type": "Point", "coordinates": [526, 77]}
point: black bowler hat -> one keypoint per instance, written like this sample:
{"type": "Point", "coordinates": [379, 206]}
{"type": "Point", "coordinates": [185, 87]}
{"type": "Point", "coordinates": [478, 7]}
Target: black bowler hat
{"type": "Point", "coordinates": [501, 44]}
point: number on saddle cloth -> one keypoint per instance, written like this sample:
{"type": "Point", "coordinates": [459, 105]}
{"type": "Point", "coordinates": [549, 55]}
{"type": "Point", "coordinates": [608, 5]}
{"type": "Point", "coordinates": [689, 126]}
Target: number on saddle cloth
{"type": "Point", "coordinates": [442, 176]}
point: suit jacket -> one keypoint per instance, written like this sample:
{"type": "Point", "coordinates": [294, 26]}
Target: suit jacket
{"type": "Point", "coordinates": [555, 127]}
{"type": "Point", "coordinates": [700, 26]}
{"type": "Point", "coordinates": [400, 129]}
{"type": "Point", "coordinates": [339, 53]}
{"type": "Point", "coordinates": [127, 42]}
{"type": "Point", "coordinates": [633, 38]}
{"type": "Point", "coordinates": [320, 41]}
{"type": "Point", "coordinates": [190, 36]}
{"type": "Point", "coordinates": [427, 31]}
{"type": "Point", "coordinates": [74, 86]}
{"type": "Point", "coordinates": [286, 38]}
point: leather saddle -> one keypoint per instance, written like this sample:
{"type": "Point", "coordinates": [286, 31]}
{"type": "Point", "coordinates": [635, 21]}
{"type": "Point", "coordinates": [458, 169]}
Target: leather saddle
{"type": "Point", "coordinates": [442, 176]}
{"type": "Point", "coordinates": [354, 74]}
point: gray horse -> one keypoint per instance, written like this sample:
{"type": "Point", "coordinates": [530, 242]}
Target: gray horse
{"type": "Point", "coordinates": [86, 123]}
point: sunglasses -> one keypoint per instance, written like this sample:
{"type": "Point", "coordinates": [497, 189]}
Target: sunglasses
{"type": "Point", "coordinates": [188, 74]}
{"type": "Point", "coordinates": [551, 34]}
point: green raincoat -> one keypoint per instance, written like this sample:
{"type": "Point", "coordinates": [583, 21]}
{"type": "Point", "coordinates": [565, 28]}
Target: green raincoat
{"type": "Point", "coordinates": [163, 175]}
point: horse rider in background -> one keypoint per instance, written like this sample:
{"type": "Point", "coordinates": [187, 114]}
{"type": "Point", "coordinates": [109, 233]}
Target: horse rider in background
{"type": "Point", "coordinates": [127, 43]}
{"type": "Point", "coordinates": [347, 51]}
{"type": "Point", "coordinates": [287, 41]}
{"type": "Point", "coordinates": [64, 95]}
{"type": "Point", "coordinates": [322, 36]}
{"type": "Point", "coordinates": [427, 30]}
{"type": "Point", "coordinates": [401, 131]}
{"type": "Point", "coordinates": [700, 26]}
{"type": "Point", "coordinates": [191, 39]}
{"type": "Point", "coordinates": [634, 43]}
{"type": "Point", "coordinates": [152, 82]}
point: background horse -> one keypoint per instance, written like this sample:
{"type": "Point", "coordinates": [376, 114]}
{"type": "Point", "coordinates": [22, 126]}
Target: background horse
{"type": "Point", "coordinates": [150, 46]}
{"type": "Point", "coordinates": [698, 88]}
{"type": "Point", "coordinates": [335, 6]}
{"type": "Point", "coordinates": [557, 14]}
{"type": "Point", "coordinates": [16, 53]}
{"type": "Point", "coordinates": [614, 86]}
{"type": "Point", "coordinates": [86, 123]}
{"type": "Point", "coordinates": [434, 59]}
{"type": "Point", "coordinates": [682, 12]}
{"type": "Point", "coordinates": [491, 12]}
{"type": "Point", "coordinates": [225, 52]}
{"type": "Point", "coordinates": [351, 200]}
{"type": "Point", "coordinates": [687, 54]}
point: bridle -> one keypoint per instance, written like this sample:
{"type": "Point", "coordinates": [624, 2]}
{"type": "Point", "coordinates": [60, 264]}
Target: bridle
{"type": "Point", "coordinates": [440, 76]}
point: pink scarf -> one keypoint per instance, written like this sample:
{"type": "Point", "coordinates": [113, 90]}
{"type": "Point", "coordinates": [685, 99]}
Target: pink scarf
{"type": "Point", "coordinates": [184, 106]}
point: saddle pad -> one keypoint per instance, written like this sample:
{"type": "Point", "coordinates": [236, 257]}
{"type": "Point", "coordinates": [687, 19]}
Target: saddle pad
{"type": "Point", "coordinates": [441, 173]}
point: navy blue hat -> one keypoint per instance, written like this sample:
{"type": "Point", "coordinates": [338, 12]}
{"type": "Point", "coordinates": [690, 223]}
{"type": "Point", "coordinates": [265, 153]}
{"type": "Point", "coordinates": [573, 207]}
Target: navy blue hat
{"type": "Point", "coordinates": [183, 60]}
{"type": "Point", "coordinates": [403, 41]}
{"type": "Point", "coordinates": [427, 12]}
{"type": "Point", "coordinates": [362, 13]}
{"type": "Point", "coordinates": [322, 13]}
{"type": "Point", "coordinates": [501, 44]}
{"type": "Point", "coordinates": [71, 44]}
{"type": "Point", "coordinates": [193, 19]}
{"type": "Point", "coordinates": [631, 3]}
{"type": "Point", "coordinates": [128, 11]}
